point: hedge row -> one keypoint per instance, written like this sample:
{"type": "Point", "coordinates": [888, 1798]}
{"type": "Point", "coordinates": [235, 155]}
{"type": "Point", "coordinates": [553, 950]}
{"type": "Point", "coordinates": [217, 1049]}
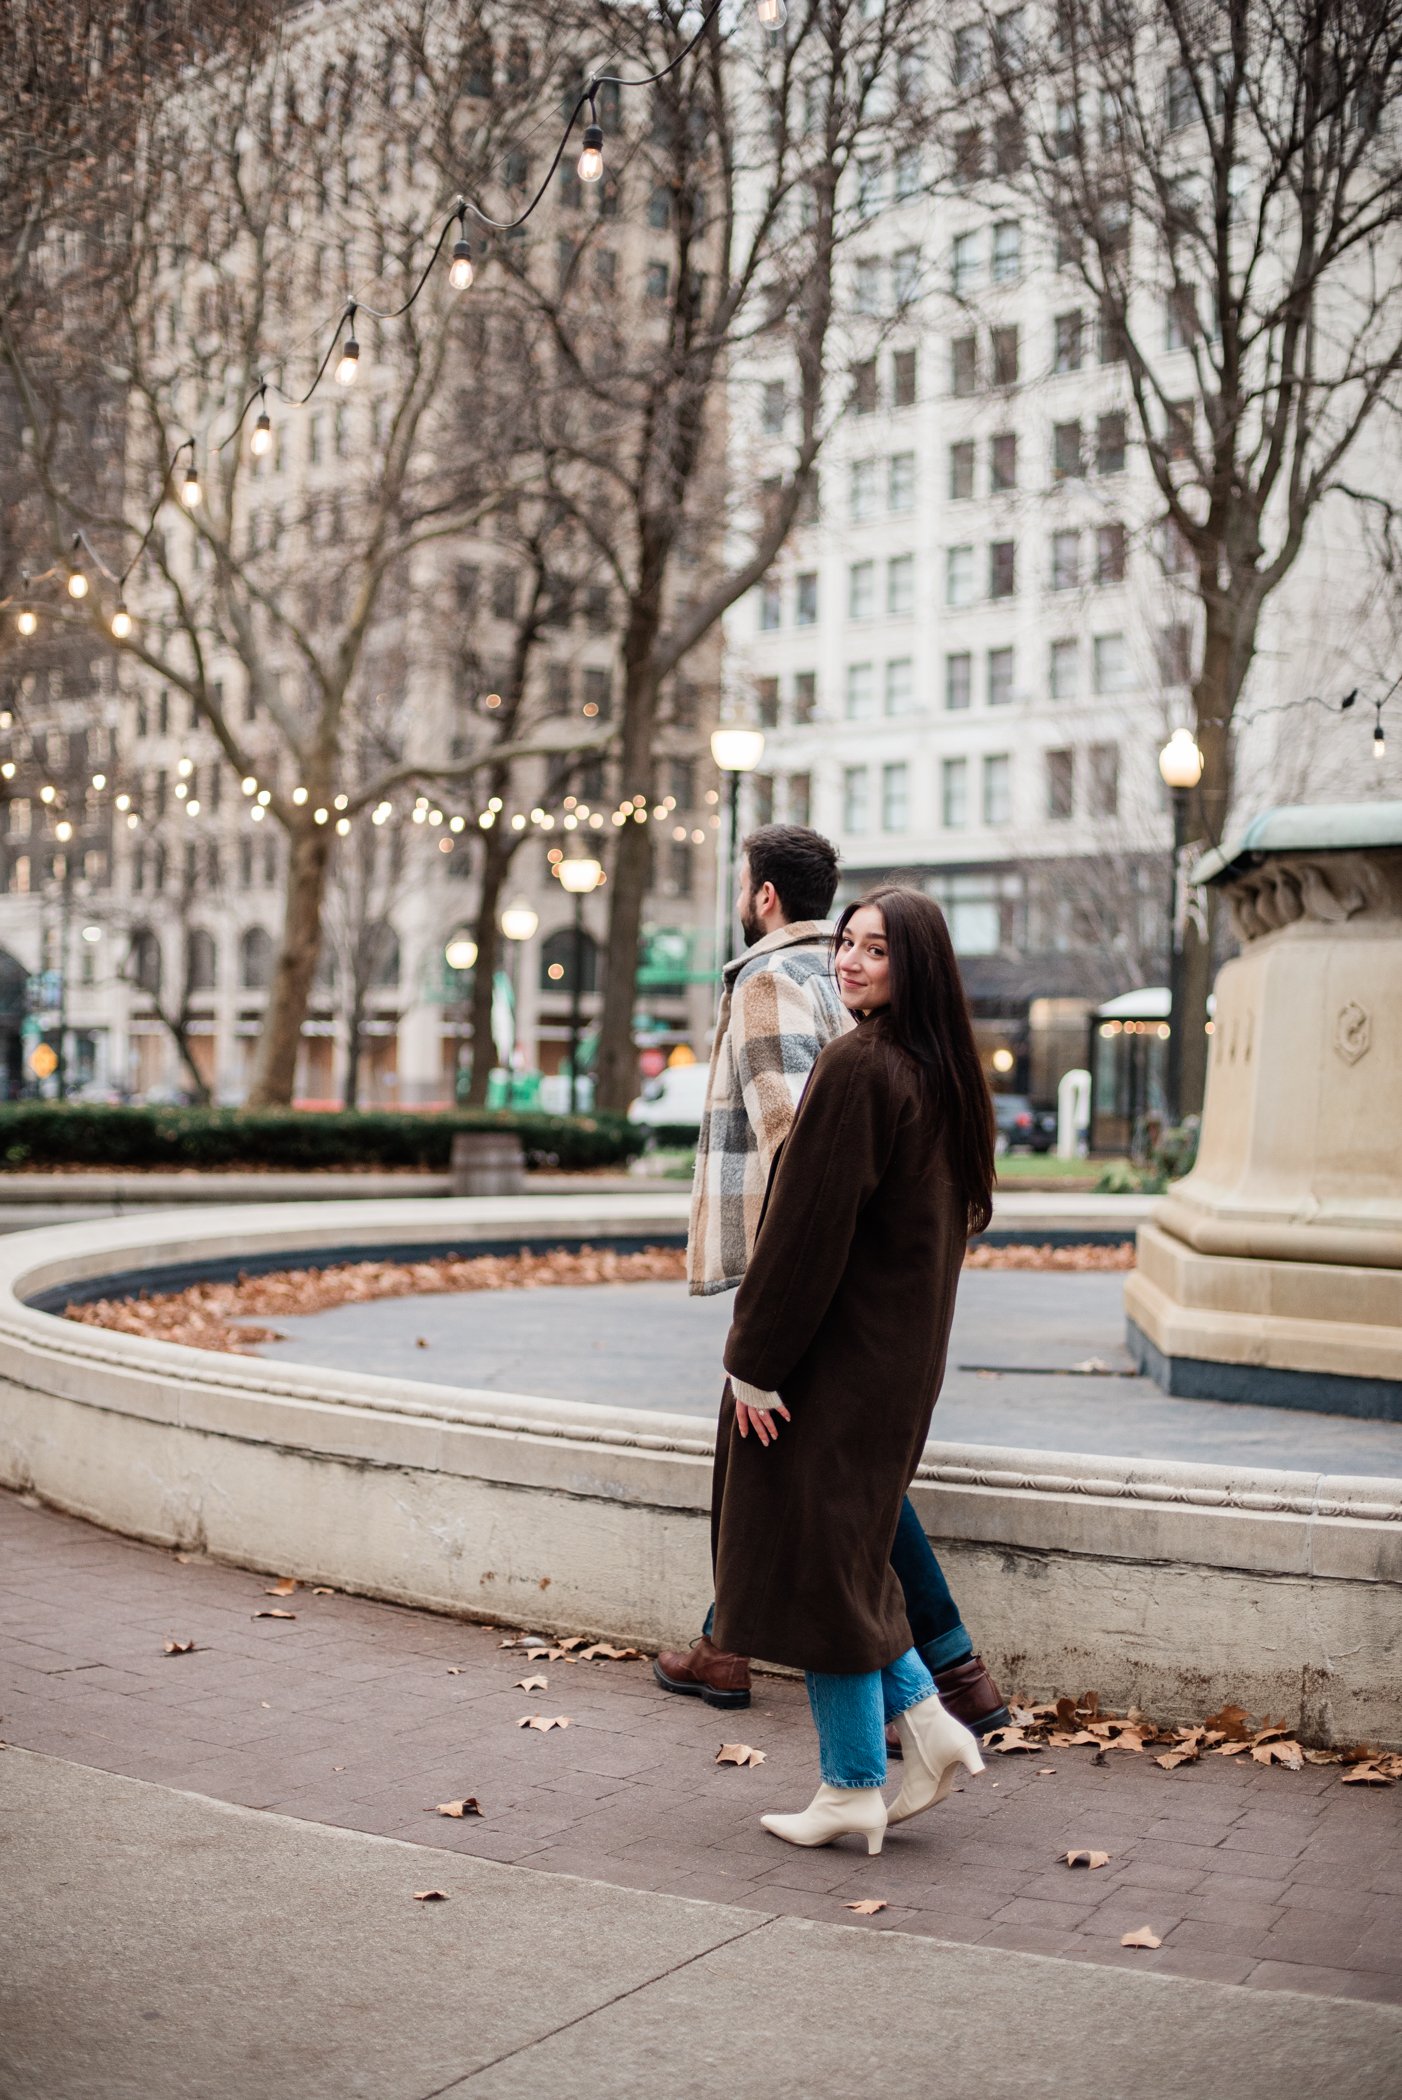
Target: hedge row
{"type": "Point", "coordinates": [69, 1134]}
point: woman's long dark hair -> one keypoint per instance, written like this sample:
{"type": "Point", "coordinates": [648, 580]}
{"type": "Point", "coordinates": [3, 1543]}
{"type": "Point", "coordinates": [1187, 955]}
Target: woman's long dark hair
{"type": "Point", "coordinates": [928, 1016]}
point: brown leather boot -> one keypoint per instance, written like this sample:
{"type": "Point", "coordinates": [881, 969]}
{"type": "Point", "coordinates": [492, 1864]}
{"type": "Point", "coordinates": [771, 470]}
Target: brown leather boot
{"type": "Point", "coordinates": [705, 1673]}
{"type": "Point", "coordinates": [968, 1692]}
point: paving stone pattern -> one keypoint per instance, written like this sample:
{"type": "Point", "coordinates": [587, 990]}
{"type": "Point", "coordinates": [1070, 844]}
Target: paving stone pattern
{"type": "Point", "coordinates": [349, 1715]}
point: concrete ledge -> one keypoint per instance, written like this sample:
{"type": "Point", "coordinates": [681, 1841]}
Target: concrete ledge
{"type": "Point", "coordinates": [1173, 1585]}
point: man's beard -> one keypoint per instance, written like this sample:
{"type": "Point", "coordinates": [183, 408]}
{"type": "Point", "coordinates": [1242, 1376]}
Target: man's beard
{"type": "Point", "coordinates": [752, 929]}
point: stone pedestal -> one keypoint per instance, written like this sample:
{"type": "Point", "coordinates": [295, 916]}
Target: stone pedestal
{"type": "Point", "coordinates": [1273, 1272]}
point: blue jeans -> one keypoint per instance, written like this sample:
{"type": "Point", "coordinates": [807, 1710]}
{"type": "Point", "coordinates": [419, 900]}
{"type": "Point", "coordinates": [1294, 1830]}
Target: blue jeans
{"type": "Point", "coordinates": [940, 1636]}
{"type": "Point", "coordinates": [850, 1713]}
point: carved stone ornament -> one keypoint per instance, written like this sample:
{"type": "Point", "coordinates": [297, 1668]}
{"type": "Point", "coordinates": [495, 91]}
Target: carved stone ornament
{"type": "Point", "coordinates": [1353, 1032]}
{"type": "Point", "coordinates": [1287, 889]}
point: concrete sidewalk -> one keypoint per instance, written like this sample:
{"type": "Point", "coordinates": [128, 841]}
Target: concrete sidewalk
{"type": "Point", "coordinates": [163, 1946]}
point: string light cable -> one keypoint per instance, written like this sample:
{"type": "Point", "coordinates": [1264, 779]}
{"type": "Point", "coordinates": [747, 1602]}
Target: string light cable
{"type": "Point", "coordinates": [771, 14]}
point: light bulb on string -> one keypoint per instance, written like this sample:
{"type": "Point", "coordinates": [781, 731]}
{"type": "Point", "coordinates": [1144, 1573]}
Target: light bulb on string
{"type": "Point", "coordinates": [185, 768]}
{"type": "Point", "coordinates": [320, 816]}
{"type": "Point", "coordinates": [191, 494]}
{"type": "Point", "coordinates": [7, 771]}
{"type": "Point", "coordinates": [27, 620]}
{"type": "Point", "coordinates": [264, 798]}
{"type": "Point", "coordinates": [772, 13]}
{"type": "Point", "coordinates": [124, 802]}
{"type": "Point", "coordinates": [46, 793]}
{"type": "Point", "coordinates": [121, 621]}
{"type": "Point", "coordinates": [348, 364]}
{"type": "Point", "coordinates": [460, 272]}
{"type": "Point", "coordinates": [257, 813]}
{"type": "Point", "coordinates": [77, 584]}
{"type": "Point", "coordinates": [132, 821]}
{"type": "Point", "coordinates": [299, 796]}
{"type": "Point", "coordinates": [591, 159]}
{"type": "Point", "coordinates": [1379, 739]}
{"type": "Point", "coordinates": [343, 827]}
{"type": "Point", "coordinates": [63, 832]}
{"type": "Point", "coordinates": [192, 808]}
{"type": "Point", "coordinates": [248, 784]}
{"type": "Point", "coordinates": [99, 781]}
{"type": "Point", "coordinates": [341, 802]}
{"type": "Point", "coordinates": [262, 438]}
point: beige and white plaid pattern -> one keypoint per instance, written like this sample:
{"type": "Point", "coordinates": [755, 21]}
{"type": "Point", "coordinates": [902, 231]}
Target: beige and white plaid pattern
{"type": "Point", "coordinates": [779, 1005]}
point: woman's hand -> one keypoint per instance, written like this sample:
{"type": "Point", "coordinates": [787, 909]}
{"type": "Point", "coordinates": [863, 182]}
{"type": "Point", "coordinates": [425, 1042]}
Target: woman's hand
{"type": "Point", "coordinates": [757, 1410]}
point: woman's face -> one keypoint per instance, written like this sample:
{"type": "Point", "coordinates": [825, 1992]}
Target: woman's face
{"type": "Point", "coordinates": [863, 964]}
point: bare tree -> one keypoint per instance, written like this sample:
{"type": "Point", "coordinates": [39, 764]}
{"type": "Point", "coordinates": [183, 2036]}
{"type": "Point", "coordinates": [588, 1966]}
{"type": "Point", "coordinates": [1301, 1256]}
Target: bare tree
{"type": "Point", "coordinates": [1224, 186]}
{"type": "Point", "coordinates": [737, 157]}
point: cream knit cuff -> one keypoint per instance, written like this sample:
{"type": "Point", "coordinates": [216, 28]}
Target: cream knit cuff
{"type": "Point", "coordinates": [752, 1395]}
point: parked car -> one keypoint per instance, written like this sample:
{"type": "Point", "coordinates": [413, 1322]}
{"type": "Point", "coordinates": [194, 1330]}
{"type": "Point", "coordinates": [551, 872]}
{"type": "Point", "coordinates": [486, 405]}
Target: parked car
{"type": "Point", "coordinates": [1021, 1123]}
{"type": "Point", "coordinates": [672, 1103]}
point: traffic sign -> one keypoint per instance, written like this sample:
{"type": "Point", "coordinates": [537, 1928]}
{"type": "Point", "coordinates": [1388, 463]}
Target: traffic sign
{"type": "Point", "coordinates": [43, 1060]}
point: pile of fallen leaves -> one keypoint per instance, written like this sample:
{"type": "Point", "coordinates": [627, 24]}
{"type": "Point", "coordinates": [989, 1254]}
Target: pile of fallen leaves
{"type": "Point", "coordinates": [1082, 1258]}
{"type": "Point", "coordinates": [227, 1316]}
{"type": "Point", "coordinates": [217, 1315]}
{"type": "Point", "coordinates": [1067, 1723]}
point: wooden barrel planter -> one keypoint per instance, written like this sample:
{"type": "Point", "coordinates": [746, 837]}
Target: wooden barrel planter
{"type": "Point", "coordinates": [487, 1163]}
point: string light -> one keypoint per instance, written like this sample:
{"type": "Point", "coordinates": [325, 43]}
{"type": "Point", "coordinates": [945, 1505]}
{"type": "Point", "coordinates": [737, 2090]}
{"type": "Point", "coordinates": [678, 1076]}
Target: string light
{"type": "Point", "coordinates": [262, 439]}
{"type": "Point", "coordinates": [591, 159]}
{"type": "Point", "coordinates": [299, 796]}
{"type": "Point", "coordinates": [248, 784]}
{"type": "Point", "coordinates": [121, 621]}
{"type": "Point", "coordinates": [99, 781]}
{"type": "Point", "coordinates": [319, 816]}
{"type": "Point", "coordinates": [1379, 740]}
{"type": "Point", "coordinates": [349, 362]}
{"type": "Point", "coordinates": [342, 826]}
{"type": "Point", "coordinates": [63, 832]}
{"type": "Point", "coordinates": [257, 813]}
{"type": "Point", "coordinates": [341, 802]}
{"type": "Point", "coordinates": [460, 272]}
{"type": "Point", "coordinates": [46, 793]}
{"type": "Point", "coordinates": [27, 620]}
{"type": "Point", "coordinates": [77, 584]}
{"type": "Point", "coordinates": [192, 808]}
{"type": "Point", "coordinates": [191, 494]}
{"type": "Point", "coordinates": [185, 768]}
{"type": "Point", "coordinates": [264, 798]}
{"type": "Point", "coordinates": [124, 802]}
{"type": "Point", "coordinates": [772, 14]}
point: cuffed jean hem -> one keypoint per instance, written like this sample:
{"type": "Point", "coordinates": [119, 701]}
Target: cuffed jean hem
{"type": "Point", "coordinates": [850, 1713]}
{"type": "Point", "coordinates": [951, 1648]}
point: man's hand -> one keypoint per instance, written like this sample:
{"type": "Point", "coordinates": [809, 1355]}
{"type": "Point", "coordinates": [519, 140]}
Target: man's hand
{"type": "Point", "coordinates": [757, 1411]}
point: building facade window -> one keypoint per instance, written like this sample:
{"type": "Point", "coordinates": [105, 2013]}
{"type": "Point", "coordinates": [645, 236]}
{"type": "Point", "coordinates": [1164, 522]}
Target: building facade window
{"type": "Point", "coordinates": [773, 407]}
{"type": "Point", "coordinates": [959, 681]}
{"type": "Point", "coordinates": [965, 263]}
{"type": "Point", "coordinates": [800, 798]}
{"type": "Point", "coordinates": [1067, 348]}
{"type": "Point", "coordinates": [1006, 355]}
{"type": "Point", "coordinates": [861, 498]}
{"type": "Point", "coordinates": [959, 576]}
{"type": "Point", "coordinates": [961, 470]}
{"type": "Point", "coordinates": [900, 587]}
{"type": "Point", "coordinates": [1000, 677]}
{"type": "Point", "coordinates": [900, 489]}
{"type": "Point", "coordinates": [895, 797]}
{"type": "Point", "coordinates": [1063, 670]}
{"type": "Point", "coordinates": [997, 788]}
{"type": "Point", "coordinates": [963, 366]}
{"type": "Point", "coordinates": [861, 692]}
{"type": "Point", "coordinates": [1061, 785]}
{"type": "Point", "coordinates": [1065, 561]}
{"type": "Point", "coordinates": [1110, 553]}
{"type": "Point", "coordinates": [805, 695]}
{"type": "Point", "coordinates": [1104, 780]}
{"type": "Point", "coordinates": [771, 607]}
{"type": "Point", "coordinates": [1066, 451]}
{"type": "Point", "coordinates": [854, 798]}
{"type": "Point", "coordinates": [1007, 251]}
{"type": "Point", "coordinates": [1002, 569]}
{"type": "Point", "coordinates": [1111, 660]}
{"type": "Point", "coordinates": [903, 379]}
{"type": "Point", "coordinates": [861, 590]}
{"type": "Point", "coordinates": [864, 389]}
{"type": "Point", "coordinates": [954, 793]}
{"type": "Point", "coordinates": [806, 598]}
{"type": "Point", "coordinates": [900, 685]}
{"type": "Point", "coordinates": [1002, 462]}
{"type": "Point", "coordinates": [1110, 443]}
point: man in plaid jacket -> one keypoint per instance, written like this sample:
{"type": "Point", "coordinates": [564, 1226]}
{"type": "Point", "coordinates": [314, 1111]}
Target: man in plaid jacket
{"type": "Point", "coordinates": [779, 1005]}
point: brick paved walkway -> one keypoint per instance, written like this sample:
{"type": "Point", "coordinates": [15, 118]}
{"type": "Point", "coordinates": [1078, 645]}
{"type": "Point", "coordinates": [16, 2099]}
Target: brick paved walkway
{"type": "Point", "coordinates": [366, 1715]}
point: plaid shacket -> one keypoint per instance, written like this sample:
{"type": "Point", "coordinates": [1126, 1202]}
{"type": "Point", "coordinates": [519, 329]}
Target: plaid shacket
{"type": "Point", "coordinates": [779, 1005]}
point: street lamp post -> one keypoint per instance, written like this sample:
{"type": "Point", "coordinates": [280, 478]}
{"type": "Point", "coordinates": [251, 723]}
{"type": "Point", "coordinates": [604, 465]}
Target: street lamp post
{"type": "Point", "coordinates": [460, 954]}
{"type": "Point", "coordinates": [1180, 763]}
{"type": "Point", "coordinates": [579, 877]}
{"type": "Point", "coordinates": [735, 750]}
{"type": "Point", "coordinates": [518, 924]}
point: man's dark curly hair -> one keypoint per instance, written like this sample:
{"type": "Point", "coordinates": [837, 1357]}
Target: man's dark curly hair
{"type": "Point", "coordinates": [801, 864]}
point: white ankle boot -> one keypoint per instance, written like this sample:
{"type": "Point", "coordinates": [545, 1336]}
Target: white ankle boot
{"type": "Point", "coordinates": [833, 1810]}
{"type": "Point", "coordinates": [936, 1748]}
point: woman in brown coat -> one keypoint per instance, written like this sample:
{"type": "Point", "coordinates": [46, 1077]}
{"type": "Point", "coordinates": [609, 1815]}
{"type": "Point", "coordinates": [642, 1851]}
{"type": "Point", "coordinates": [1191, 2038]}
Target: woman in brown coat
{"type": "Point", "coordinates": [840, 1331]}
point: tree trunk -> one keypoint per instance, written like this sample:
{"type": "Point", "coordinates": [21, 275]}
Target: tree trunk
{"type": "Point", "coordinates": [275, 1073]}
{"type": "Point", "coordinates": [198, 1084]}
{"type": "Point", "coordinates": [616, 1067]}
{"type": "Point", "coordinates": [1228, 646]}
{"type": "Point", "coordinates": [496, 859]}
{"type": "Point", "coordinates": [355, 1027]}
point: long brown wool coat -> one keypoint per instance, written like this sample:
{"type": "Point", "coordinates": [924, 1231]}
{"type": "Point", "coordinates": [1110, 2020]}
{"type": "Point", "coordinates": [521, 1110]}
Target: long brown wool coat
{"type": "Point", "coordinates": [844, 1311]}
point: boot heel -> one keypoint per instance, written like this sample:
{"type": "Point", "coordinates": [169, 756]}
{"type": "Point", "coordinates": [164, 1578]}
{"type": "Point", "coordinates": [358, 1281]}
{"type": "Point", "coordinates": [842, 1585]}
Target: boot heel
{"type": "Point", "coordinates": [974, 1765]}
{"type": "Point", "coordinates": [875, 1839]}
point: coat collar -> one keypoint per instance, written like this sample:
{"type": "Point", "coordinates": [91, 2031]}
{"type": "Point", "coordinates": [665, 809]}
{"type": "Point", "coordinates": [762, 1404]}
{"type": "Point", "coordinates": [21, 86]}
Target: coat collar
{"type": "Point", "coordinates": [799, 933]}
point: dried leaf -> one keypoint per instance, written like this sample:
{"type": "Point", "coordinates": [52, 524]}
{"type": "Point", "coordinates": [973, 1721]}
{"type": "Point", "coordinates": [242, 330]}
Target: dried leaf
{"type": "Point", "coordinates": [184, 1559]}
{"type": "Point", "coordinates": [1233, 1749]}
{"type": "Point", "coordinates": [174, 1647]}
{"type": "Point", "coordinates": [544, 1654]}
{"type": "Point", "coordinates": [1323, 1757]}
{"type": "Point", "coordinates": [1185, 1754]}
{"type": "Point", "coordinates": [867, 1908]}
{"type": "Point", "coordinates": [576, 1640]}
{"type": "Point", "coordinates": [1232, 1721]}
{"type": "Point", "coordinates": [274, 1613]}
{"type": "Point", "coordinates": [1057, 1740]}
{"type": "Point", "coordinates": [282, 1588]}
{"type": "Point", "coordinates": [618, 1655]}
{"type": "Point", "coordinates": [466, 1807]}
{"type": "Point", "coordinates": [1287, 1753]}
{"type": "Point", "coordinates": [1086, 1859]}
{"type": "Point", "coordinates": [543, 1722]}
{"type": "Point", "coordinates": [1366, 1775]}
{"type": "Point", "coordinates": [322, 1590]}
{"type": "Point", "coordinates": [532, 1684]}
{"type": "Point", "coordinates": [430, 1895]}
{"type": "Point", "coordinates": [455, 1670]}
{"type": "Point", "coordinates": [1144, 1937]}
{"type": "Point", "coordinates": [738, 1754]}
{"type": "Point", "coordinates": [1008, 1739]}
